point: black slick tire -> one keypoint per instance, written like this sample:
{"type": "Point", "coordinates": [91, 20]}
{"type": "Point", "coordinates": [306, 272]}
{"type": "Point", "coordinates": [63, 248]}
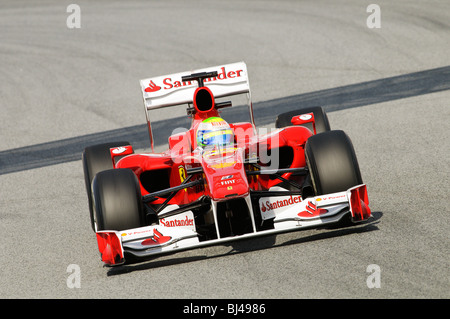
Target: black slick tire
{"type": "Point", "coordinates": [332, 162]}
{"type": "Point", "coordinates": [95, 159]}
{"type": "Point", "coordinates": [117, 199]}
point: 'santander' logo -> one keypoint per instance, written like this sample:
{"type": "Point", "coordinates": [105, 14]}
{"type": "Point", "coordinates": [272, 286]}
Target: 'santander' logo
{"type": "Point", "coordinates": [169, 83]}
{"type": "Point", "coordinates": [177, 222]}
{"type": "Point", "coordinates": [268, 205]}
{"type": "Point", "coordinates": [312, 211]}
{"type": "Point", "coordinates": [156, 239]}
{"type": "Point", "coordinates": [152, 87]}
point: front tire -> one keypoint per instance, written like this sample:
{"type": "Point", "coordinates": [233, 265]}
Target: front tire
{"type": "Point", "coordinates": [95, 159]}
{"type": "Point", "coordinates": [332, 162]}
{"type": "Point", "coordinates": [117, 199]}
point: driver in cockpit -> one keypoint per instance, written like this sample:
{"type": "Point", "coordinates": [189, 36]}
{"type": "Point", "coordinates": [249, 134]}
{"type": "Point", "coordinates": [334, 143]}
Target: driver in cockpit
{"type": "Point", "coordinates": [214, 132]}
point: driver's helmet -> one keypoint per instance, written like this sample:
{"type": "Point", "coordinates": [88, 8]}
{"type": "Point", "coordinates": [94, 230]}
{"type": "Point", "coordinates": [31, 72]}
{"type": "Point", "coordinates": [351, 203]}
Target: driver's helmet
{"type": "Point", "coordinates": [214, 131]}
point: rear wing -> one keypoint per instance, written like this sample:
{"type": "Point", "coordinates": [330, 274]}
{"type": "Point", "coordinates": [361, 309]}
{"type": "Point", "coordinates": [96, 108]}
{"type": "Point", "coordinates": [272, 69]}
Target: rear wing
{"type": "Point", "coordinates": [171, 90]}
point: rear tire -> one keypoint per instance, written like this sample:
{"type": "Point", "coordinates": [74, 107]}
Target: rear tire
{"type": "Point", "coordinates": [332, 162]}
{"type": "Point", "coordinates": [117, 200]}
{"type": "Point", "coordinates": [95, 159]}
{"type": "Point", "coordinates": [320, 118]}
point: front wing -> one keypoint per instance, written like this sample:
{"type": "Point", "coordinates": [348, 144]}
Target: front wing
{"type": "Point", "coordinates": [289, 213]}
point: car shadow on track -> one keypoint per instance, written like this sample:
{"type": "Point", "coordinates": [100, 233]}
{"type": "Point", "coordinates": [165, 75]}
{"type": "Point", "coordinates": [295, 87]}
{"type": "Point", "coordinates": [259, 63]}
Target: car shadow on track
{"type": "Point", "coordinates": [249, 245]}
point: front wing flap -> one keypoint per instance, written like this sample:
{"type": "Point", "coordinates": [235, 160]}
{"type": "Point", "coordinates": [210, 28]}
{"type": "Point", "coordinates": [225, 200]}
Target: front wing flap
{"type": "Point", "coordinates": [318, 210]}
{"type": "Point", "coordinates": [289, 213]}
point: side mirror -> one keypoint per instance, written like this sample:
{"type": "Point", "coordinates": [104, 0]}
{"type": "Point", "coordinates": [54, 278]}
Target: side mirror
{"type": "Point", "coordinates": [303, 119]}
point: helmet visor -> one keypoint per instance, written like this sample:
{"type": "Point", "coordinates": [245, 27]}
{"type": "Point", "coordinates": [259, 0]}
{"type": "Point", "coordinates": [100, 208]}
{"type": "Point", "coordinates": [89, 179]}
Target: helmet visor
{"type": "Point", "coordinates": [221, 137]}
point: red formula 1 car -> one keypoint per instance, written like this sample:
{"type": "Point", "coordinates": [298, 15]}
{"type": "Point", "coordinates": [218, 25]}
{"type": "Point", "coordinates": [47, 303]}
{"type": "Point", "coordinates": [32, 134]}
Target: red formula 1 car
{"type": "Point", "coordinates": [219, 181]}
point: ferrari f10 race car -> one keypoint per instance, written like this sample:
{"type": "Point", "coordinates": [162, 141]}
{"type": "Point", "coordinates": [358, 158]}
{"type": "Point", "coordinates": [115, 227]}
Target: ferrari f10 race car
{"type": "Point", "coordinates": [219, 181]}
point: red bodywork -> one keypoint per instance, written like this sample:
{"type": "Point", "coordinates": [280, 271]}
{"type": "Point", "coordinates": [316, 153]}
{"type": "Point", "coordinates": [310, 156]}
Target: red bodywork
{"type": "Point", "coordinates": [216, 164]}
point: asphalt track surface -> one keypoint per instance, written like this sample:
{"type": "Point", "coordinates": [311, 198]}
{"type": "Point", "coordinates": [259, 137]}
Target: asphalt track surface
{"type": "Point", "coordinates": [388, 88]}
